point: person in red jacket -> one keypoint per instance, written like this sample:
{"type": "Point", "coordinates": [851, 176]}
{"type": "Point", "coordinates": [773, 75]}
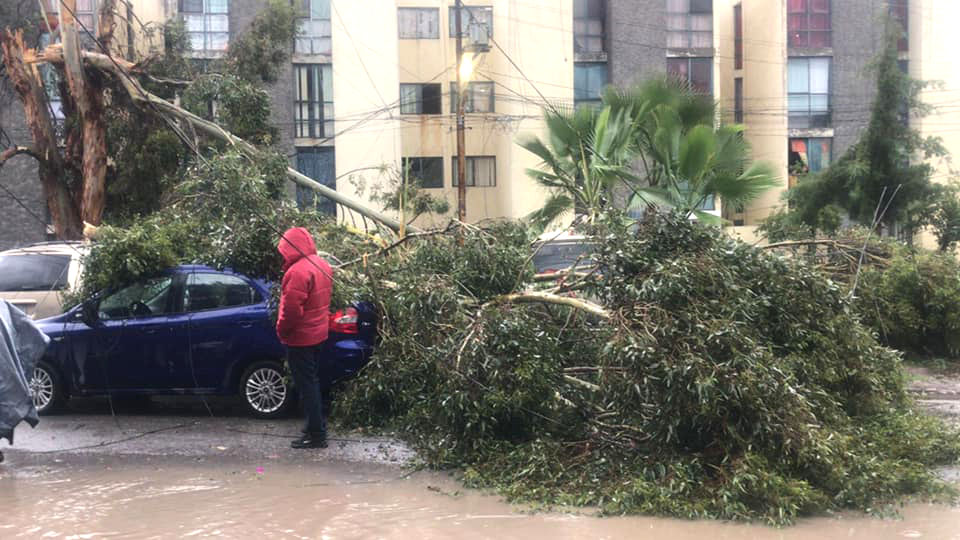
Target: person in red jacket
{"type": "Point", "coordinates": [302, 326]}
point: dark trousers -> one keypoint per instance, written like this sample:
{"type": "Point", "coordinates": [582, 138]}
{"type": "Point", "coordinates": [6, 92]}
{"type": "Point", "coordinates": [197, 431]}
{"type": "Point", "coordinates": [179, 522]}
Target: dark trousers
{"type": "Point", "coordinates": [313, 386]}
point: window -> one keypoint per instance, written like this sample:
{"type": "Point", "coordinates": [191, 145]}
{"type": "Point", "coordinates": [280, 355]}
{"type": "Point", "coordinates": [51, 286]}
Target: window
{"type": "Point", "coordinates": [738, 100]}
{"type": "Point", "coordinates": [418, 23]}
{"type": "Point", "coordinates": [808, 87]}
{"type": "Point", "coordinates": [697, 72]}
{"type": "Point", "coordinates": [690, 24]}
{"type": "Point", "coordinates": [145, 299]}
{"type": "Point", "coordinates": [319, 163]}
{"type": "Point", "coordinates": [588, 18]}
{"type": "Point", "coordinates": [85, 13]}
{"type": "Point", "coordinates": [481, 171]}
{"type": "Point", "coordinates": [588, 83]}
{"type": "Point", "coordinates": [313, 109]}
{"type": "Point", "coordinates": [808, 23]}
{"type": "Point", "coordinates": [314, 34]}
{"type": "Point", "coordinates": [51, 86]}
{"type": "Point", "coordinates": [809, 155]}
{"type": "Point", "coordinates": [899, 11]}
{"type": "Point", "coordinates": [33, 272]}
{"type": "Point", "coordinates": [477, 99]}
{"type": "Point", "coordinates": [420, 99]}
{"type": "Point", "coordinates": [208, 24]}
{"type": "Point", "coordinates": [478, 17]}
{"type": "Point", "coordinates": [738, 36]}
{"type": "Point", "coordinates": [428, 171]}
{"type": "Point", "coordinates": [217, 291]}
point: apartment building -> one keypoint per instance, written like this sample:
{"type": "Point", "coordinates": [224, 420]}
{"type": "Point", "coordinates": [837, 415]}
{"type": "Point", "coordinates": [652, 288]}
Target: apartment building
{"type": "Point", "coordinates": [797, 72]}
{"type": "Point", "coordinates": [371, 85]}
{"type": "Point", "coordinates": [371, 92]}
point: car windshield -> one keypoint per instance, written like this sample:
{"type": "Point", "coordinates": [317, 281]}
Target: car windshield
{"type": "Point", "coordinates": [33, 272]}
{"type": "Point", "coordinates": [556, 256]}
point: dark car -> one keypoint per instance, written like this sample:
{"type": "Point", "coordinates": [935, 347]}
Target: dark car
{"type": "Point", "coordinates": [190, 330]}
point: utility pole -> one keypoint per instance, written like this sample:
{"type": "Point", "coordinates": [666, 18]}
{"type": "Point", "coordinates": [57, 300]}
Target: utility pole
{"type": "Point", "coordinates": [461, 154]}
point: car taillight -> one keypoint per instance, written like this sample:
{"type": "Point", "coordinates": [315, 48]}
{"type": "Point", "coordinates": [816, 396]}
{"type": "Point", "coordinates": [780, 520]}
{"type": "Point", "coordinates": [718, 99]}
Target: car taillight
{"type": "Point", "coordinates": [345, 321]}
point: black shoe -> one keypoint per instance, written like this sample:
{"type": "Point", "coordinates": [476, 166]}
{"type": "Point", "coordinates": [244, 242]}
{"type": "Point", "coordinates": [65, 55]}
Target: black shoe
{"type": "Point", "coordinates": [309, 441]}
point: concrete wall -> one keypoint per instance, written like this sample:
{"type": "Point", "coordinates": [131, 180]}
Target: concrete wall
{"type": "Point", "coordinates": [636, 40]}
{"type": "Point", "coordinates": [23, 211]}
{"type": "Point", "coordinates": [857, 39]}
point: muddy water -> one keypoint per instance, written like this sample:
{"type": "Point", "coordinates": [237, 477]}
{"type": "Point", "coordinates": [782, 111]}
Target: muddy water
{"type": "Point", "coordinates": [342, 501]}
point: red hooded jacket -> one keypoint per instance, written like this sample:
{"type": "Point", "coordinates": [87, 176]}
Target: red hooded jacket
{"type": "Point", "coordinates": [305, 291]}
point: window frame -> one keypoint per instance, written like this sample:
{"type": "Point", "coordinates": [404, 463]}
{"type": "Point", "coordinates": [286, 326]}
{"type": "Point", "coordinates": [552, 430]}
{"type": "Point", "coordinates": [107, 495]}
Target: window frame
{"type": "Point", "coordinates": [313, 38]}
{"type": "Point", "coordinates": [417, 172]}
{"type": "Point", "coordinates": [207, 15]}
{"type": "Point", "coordinates": [813, 118]}
{"type": "Point", "coordinates": [689, 60]}
{"type": "Point", "coordinates": [470, 168]}
{"type": "Point", "coordinates": [420, 100]}
{"type": "Point", "coordinates": [807, 141]}
{"type": "Point", "coordinates": [688, 32]}
{"type": "Point", "coordinates": [433, 10]}
{"type": "Point", "coordinates": [582, 17]}
{"type": "Point", "coordinates": [170, 307]}
{"type": "Point", "coordinates": [738, 36]}
{"type": "Point", "coordinates": [465, 19]}
{"type": "Point", "coordinates": [807, 14]}
{"type": "Point", "coordinates": [257, 296]}
{"type": "Point", "coordinates": [316, 128]}
{"type": "Point", "coordinates": [900, 12]}
{"type": "Point", "coordinates": [469, 106]}
{"type": "Point", "coordinates": [581, 95]}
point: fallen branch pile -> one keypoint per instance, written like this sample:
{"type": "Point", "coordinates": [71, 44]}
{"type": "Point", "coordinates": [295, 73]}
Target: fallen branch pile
{"type": "Point", "coordinates": [691, 376]}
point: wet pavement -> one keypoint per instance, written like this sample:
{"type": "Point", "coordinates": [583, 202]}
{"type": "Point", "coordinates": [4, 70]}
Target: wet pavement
{"type": "Point", "coordinates": [182, 468]}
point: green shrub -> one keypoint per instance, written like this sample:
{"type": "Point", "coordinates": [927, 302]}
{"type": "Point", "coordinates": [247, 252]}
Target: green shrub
{"type": "Point", "coordinates": [914, 304]}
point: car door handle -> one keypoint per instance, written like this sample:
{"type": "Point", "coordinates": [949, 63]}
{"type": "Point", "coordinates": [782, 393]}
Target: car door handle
{"type": "Point", "coordinates": [246, 324]}
{"type": "Point", "coordinates": [150, 331]}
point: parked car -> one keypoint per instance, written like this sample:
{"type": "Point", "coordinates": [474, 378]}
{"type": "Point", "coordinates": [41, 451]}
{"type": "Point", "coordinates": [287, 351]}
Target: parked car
{"type": "Point", "coordinates": [558, 251]}
{"type": "Point", "coordinates": [190, 330]}
{"type": "Point", "coordinates": [32, 278]}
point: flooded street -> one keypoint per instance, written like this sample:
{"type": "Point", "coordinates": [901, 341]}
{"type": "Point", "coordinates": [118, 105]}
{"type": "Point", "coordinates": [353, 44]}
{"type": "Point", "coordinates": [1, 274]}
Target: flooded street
{"type": "Point", "coordinates": [171, 472]}
{"type": "Point", "coordinates": [94, 497]}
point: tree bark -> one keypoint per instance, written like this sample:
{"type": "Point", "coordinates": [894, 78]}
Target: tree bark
{"type": "Point", "coordinates": [52, 171]}
{"type": "Point", "coordinates": [89, 100]}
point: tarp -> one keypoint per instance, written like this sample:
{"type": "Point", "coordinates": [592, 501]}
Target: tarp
{"type": "Point", "coordinates": [21, 347]}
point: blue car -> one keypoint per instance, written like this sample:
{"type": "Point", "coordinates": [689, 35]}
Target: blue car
{"type": "Point", "coordinates": [190, 330]}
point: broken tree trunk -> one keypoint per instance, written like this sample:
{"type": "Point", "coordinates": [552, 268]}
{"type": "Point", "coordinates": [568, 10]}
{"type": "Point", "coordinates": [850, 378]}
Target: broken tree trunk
{"type": "Point", "coordinates": [123, 70]}
{"type": "Point", "coordinates": [89, 100]}
{"type": "Point", "coordinates": [51, 166]}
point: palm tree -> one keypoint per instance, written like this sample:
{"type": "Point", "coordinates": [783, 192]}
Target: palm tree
{"type": "Point", "coordinates": [657, 141]}
{"type": "Point", "coordinates": [691, 165]}
{"type": "Point", "coordinates": [587, 153]}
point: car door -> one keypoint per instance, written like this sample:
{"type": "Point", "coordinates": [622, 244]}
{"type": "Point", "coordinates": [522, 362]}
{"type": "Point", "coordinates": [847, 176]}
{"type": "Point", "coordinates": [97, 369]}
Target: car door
{"type": "Point", "coordinates": [133, 342]}
{"type": "Point", "coordinates": [229, 326]}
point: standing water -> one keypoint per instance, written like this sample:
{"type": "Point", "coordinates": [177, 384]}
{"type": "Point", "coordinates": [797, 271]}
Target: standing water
{"type": "Point", "coordinates": [104, 497]}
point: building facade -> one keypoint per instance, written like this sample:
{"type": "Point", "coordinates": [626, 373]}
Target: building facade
{"type": "Point", "coordinates": [371, 92]}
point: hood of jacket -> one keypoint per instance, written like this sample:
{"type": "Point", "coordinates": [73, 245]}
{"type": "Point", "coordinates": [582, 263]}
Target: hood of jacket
{"type": "Point", "coordinates": [296, 244]}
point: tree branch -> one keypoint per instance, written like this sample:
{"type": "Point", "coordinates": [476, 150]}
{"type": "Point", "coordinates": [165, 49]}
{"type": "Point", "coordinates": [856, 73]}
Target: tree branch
{"type": "Point", "coordinates": [547, 298]}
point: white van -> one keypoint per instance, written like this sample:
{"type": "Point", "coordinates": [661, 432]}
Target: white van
{"type": "Point", "coordinates": [33, 278]}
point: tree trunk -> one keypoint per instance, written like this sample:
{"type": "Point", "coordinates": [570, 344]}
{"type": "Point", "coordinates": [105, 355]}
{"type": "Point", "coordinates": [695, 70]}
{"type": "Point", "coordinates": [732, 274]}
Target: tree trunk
{"type": "Point", "coordinates": [52, 170]}
{"type": "Point", "coordinates": [89, 100]}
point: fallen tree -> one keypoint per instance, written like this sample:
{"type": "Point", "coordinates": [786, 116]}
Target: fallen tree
{"type": "Point", "coordinates": [697, 377]}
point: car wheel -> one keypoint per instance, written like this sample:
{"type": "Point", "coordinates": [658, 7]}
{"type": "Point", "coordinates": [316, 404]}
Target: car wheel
{"type": "Point", "coordinates": [264, 391]}
{"type": "Point", "coordinates": [46, 388]}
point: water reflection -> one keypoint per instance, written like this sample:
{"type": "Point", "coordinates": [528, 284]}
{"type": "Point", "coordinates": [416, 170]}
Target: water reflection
{"type": "Point", "coordinates": [343, 501]}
